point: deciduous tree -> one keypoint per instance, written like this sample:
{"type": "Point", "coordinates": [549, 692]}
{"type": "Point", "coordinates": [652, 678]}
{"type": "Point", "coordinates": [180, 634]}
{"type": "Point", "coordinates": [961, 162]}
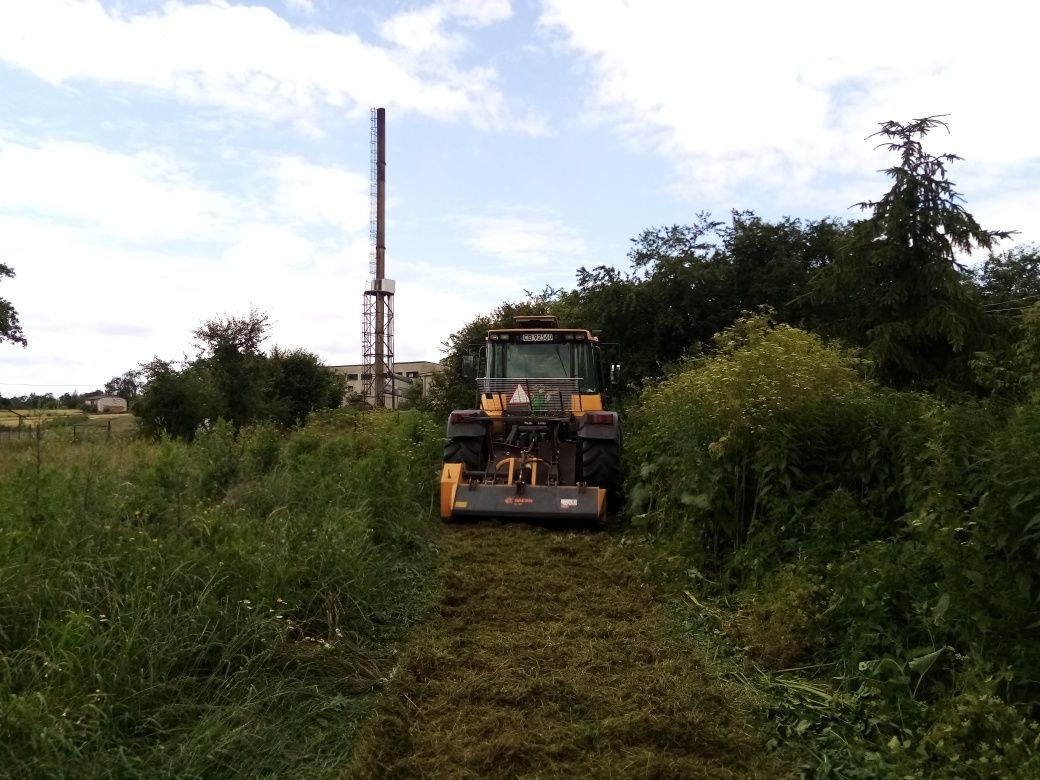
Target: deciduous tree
{"type": "Point", "coordinates": [10, 328]}
{"type": "Point", "coordinates": [233, 379]}
{"type": "Point", "coordinates": [126, 386]}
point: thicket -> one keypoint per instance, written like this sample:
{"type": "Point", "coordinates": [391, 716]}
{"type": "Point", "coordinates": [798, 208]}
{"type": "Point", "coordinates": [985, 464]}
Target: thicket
{"type": "Point", "coordinates": [231, 379]}
{"type": "Point", "coordinates": [887, 538]}
{"type": "Point", "coordinates": [220, 608]}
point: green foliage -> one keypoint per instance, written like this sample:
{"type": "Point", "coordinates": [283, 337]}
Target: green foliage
{"type": "Point", "coordinates": [690, 281]}
{"type": "Point", "coordinates": [881, 535]}
{"type": "Point", "coordinates": [126, 386]}
{"type": "Point", "coordinates": [783, 626]}
{"type": "Point", "coordinates": [911, 303]}
{"type": "Point", "coordinates": [1012, 372]}
{"type": "Point", "coordinates": [298, 384]}
{"type": "Point", "coordinates": [174, 402]}
{"type": "Point", "coordinates": [207, 609]}
{"type": "Point", "coordinates": [10, 328]}
{"type": "Point", "coordinates": [232, 380]}
{"type": "Point", "coordinates": [720, 443]}
{"type": "Point", "coordinates": [1010, 281]}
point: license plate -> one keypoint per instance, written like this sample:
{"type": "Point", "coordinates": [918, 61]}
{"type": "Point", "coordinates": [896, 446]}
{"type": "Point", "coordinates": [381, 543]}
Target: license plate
{"type": "Point", "coordinates": [536, 337]}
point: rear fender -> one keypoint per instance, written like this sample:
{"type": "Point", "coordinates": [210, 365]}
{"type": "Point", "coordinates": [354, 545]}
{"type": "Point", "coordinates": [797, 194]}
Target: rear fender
{"type": "Point", "coordinates": [600, 431]}
{"type": "Point", "coordinates": [470, 427]}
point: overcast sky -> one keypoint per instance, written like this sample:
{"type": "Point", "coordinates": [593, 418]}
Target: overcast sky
{"type": "Point", "coordinates": [165, 162]}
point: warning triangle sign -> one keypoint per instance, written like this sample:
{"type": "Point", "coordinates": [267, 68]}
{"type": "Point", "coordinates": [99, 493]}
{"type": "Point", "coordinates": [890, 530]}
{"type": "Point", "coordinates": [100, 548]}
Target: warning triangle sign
{"type": "Point", "coordinates": [520, 396]}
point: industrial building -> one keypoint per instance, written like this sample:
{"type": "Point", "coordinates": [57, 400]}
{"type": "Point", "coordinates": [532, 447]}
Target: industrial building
{"type": "Point", "coordinates": [416, 371]}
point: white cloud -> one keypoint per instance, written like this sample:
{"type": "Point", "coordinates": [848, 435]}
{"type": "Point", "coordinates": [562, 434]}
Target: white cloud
{"type": "Point", "coordinates": [133, 196]}
{"type": "Point", "coordinates": [243, 58]}
{"type": "Point", "coordinates": [422, 31]}
{"type": "Point", "coordinates": [152, 195]}
{"type": "Point", "coordinates": [779, 95]}
{"type": "Point", "coordinates": [321, 194]}
{"type": "Point", "coordinates": [301, 6]}
{"type": "Point", "coordinates": [521, 241]}
{"type": "Point", "coordinates": [88, 231]}
{"type": "Point", "coordinates": [478, 12]}
{"type": "Point", "coordinates": [71, 285]}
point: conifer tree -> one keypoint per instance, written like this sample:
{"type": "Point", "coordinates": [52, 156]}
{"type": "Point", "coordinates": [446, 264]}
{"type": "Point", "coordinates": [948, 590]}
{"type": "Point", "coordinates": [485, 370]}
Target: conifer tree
{"type": "Point", "coordinates": [909, 298]}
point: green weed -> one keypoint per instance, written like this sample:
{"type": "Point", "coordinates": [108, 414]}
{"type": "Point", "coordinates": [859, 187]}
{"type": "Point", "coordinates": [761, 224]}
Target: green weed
{"type": "Point", "coordinates": [212, 609]}
{"type": "Point", "coordinates": [885, 538]}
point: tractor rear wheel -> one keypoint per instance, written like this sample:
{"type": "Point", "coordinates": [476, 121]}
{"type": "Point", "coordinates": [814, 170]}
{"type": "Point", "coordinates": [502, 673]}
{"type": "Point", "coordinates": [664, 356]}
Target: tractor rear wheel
{"type": "Point", "coordinates": [601, 465]}
{"type": "Point", "coordinates": [470, 451]}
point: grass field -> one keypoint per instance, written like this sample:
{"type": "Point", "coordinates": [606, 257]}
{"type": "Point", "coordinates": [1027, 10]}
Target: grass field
{"type": "Point", "coordinates": [218, 609]}
{"type": "Point", "coordinates": [16, 417]}
{"type": "Point", "coordinates": [121, 424]}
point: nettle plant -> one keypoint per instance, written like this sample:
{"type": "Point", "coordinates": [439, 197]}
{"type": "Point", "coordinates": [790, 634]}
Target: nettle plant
{"type": "Point", "coordinates": [717, 445]}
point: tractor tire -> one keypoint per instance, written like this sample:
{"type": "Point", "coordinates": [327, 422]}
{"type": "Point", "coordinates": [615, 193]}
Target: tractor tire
{"type": "Point", "coordinates": [470, 451]}
{"type": "Point", "coordinates": [601, 466]}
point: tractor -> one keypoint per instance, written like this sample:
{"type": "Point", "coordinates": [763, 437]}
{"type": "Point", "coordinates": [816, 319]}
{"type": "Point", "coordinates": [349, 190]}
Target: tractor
{"type": "Point", "coordinates": [538, 442]}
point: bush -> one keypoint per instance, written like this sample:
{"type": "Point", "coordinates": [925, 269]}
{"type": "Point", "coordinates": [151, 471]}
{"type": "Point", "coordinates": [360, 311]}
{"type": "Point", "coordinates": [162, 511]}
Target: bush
{"type": "Point", "coordinates": [744, 443]}
{"type": "Point", "coordinates": [881, 534]}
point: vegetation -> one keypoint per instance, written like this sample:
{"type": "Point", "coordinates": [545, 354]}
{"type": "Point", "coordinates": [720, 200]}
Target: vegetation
{"type": "Point", "coordinates": [231, 379]}
{"type": "Point", "coordinates": [910, 305]}
{"type": "Point", "coordinates": [126, 385]}
{"type": "Point", "coordinates": [220, 608]}
{"type": "Point", "coordinates": [893, 284]}
{"type": "Point", "coordinates": [882, 535]}
{"type": "Point", "coordinates": [42, 402]}
{"type": "Point", "coordinates": [547, 655]}
{"type": "Point", "coordinates": [10, 328]}
{"type": "Point", "coordinates": [832, 438]}
{"type": "Point", "coordinates": [830, 433]}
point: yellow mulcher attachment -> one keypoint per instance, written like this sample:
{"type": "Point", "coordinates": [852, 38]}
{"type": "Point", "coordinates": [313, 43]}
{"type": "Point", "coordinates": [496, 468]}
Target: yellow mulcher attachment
{"type": "Point", "coordinates": [513, 497]}
{"type": "Point", "coordinates": [539, 445]}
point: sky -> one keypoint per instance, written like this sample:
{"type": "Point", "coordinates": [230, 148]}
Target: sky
{"type": "Point", "coordinates": [164, 163]}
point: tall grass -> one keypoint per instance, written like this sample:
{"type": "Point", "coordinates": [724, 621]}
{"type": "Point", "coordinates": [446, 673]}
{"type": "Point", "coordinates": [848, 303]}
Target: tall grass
{"type": "Point", "coordinates": [216, 609]}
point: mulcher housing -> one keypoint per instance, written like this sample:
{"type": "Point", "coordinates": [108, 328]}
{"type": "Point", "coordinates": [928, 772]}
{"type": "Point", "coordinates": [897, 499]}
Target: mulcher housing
{"type": "Point", "coordinates": [538, 443]}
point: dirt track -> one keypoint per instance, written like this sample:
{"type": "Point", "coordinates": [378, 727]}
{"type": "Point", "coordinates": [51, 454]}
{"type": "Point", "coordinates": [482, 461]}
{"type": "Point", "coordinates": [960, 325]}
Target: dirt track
{"type": "Point", "coordinates": [548, 655]}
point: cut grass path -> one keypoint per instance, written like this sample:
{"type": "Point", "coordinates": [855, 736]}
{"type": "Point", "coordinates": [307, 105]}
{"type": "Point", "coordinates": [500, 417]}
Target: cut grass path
{"type": "Point", "coordinates": [547, 654]}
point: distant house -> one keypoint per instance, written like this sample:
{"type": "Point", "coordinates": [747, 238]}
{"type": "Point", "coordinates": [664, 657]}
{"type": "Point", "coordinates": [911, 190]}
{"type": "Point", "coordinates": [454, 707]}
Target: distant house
{"type": "Point", "coordinates": [105, 403]}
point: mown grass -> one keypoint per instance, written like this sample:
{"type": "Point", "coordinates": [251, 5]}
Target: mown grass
{"type": "Point", "coordinates": [548, 654]}
{"type": "Point", "coordinates": [220, 609]}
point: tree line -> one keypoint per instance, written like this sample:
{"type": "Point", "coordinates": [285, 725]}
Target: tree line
{"type": "Point", "coordinates": [230, 378]}
{"type": "Point", "coordinates": [894, 284]}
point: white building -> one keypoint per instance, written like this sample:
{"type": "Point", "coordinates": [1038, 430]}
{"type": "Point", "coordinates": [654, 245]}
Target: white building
{"type": "Point", "coordinates": [413, 372]}
{"type": "Point", "coordinates": [106, 403]}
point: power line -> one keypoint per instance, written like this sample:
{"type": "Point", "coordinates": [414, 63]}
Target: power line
{"type": "Point", "coordinates": [41, 384]}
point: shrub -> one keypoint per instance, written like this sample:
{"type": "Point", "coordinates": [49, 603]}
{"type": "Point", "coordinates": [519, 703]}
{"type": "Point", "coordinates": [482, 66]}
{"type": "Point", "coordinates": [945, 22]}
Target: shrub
{"type": "Point", "coordinates": [744, 443]}
{"type": "Point", "coordinates": [881, 534]}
